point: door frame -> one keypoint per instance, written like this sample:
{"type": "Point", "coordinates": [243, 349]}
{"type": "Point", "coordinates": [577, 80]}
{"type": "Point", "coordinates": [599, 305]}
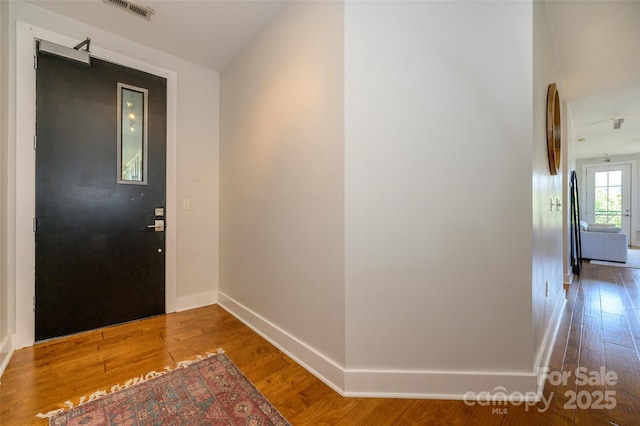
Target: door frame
{"type": "Point", "coordinates": [25, 171]}
{"type": "Point", "coordinates": [633, 239]}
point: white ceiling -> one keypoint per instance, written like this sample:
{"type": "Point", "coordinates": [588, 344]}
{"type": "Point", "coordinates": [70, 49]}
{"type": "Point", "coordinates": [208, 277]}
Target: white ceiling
{"type": "Point", "coordinates": [206, 32]}
{"type": "Point", "coordinates": [598, 48]}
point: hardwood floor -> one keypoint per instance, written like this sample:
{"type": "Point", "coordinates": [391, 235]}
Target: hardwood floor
{"type": "Point", "coordinates": [600, 329]}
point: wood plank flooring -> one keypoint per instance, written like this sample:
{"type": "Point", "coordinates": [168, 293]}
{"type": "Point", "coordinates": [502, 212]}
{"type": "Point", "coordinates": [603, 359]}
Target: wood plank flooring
{"type": "Point", "coordinates": [600, 329]}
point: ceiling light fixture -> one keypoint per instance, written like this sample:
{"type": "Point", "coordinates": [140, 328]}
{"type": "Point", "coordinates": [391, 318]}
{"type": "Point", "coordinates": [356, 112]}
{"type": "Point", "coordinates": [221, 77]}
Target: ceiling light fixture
{"type": "Point", "coordinates": [617, 123]}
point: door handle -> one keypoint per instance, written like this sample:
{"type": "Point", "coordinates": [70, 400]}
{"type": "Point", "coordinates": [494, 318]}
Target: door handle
{"type": "Point", "coordinates": [626, 215]}
{"type": "Point", "coordinates": [158, 226]}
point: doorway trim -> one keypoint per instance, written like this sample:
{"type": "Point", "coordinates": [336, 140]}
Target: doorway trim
{"type": "Point", "coordinates": [633, 238]}
{"type": "Point", "coordinates": [25, 172]}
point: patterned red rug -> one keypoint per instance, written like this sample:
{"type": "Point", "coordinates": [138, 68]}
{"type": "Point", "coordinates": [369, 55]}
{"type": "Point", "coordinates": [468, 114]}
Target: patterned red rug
{"type": "Point", "coordinates": [208, 391]}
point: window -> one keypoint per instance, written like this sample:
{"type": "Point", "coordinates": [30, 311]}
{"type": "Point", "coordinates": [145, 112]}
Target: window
{"type": "Point", "coordinates": [608, 197]}
{"type": "Point", "coordinates": [132, 134]}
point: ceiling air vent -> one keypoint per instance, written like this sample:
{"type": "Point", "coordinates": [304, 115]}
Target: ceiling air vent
{"type": "Point", "coordinates": [136, 9]}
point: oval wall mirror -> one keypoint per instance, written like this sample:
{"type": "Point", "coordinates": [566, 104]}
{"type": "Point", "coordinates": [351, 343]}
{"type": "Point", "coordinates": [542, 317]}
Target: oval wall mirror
{"type": "Point", "coordinates": [554, 140]}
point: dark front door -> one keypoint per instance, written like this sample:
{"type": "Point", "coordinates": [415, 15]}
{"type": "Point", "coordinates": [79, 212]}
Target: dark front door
{"type": "Point", "coordinates": [99, 186]}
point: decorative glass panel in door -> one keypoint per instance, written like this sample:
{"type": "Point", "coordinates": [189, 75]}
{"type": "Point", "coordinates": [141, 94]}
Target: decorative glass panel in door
{"type": "Point", "coordinates": [132, 134]}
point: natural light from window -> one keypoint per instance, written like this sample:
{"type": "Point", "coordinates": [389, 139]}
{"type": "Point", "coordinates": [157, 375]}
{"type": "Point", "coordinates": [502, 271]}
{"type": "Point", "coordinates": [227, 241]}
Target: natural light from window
{"type": "Point", "coordinates": [608, 197]}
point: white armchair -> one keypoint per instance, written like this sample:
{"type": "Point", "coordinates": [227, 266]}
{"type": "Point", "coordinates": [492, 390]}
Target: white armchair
{"type": "Point", "coordinates": [603, 243]}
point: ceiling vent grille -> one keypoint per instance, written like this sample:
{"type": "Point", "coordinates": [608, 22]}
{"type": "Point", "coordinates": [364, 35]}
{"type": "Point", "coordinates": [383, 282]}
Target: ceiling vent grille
{"type": "Point", "coordinates": [136, 9]}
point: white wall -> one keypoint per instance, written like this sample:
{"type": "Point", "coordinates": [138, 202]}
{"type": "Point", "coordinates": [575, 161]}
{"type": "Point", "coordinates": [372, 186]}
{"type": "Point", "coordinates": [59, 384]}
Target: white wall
{"type": "Point", "coordinates": [439, 153]}
{"type": "Point", "coordinates": [197, 152]}
{"type": "Point", "coordinates": [5, 331]}
{"type": "Point", "coordinates": [198, 173]}
{"type": "Point", "coordinates": [281, 185]}
{"type": "Point", "coordinates": [547, 223]}
{"type": "Point", "coordinates": [438, 193]}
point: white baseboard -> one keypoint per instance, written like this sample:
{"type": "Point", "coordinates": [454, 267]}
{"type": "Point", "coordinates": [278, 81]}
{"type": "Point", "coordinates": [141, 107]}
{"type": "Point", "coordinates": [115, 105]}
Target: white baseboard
{"type": "Point", "coordinates": [313, 361]}
{"type": "Point", "coordinates": [6, 351]}
{"type": "Point", "coordinates": [196, 301]}
{"type": "Point", "coordinates": [469, 386]}
{"type": "Point", "coordinates": [387, 383]}
{"type": "Point", "coordinates": [568, 278]}
{"type": "Point", "coordinates": [548, 341]}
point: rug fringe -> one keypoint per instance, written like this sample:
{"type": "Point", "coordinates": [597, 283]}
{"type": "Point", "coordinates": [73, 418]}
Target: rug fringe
{"type": "Point", "coordinates": [50, 414]}
{"type": "Point", "coordinates": [185, 364]}
{"type": "Point", "coordinates": [129, 383]}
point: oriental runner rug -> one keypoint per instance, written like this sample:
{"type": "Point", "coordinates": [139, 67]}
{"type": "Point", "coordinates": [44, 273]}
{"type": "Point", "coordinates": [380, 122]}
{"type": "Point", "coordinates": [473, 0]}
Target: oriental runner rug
{"type": "Point", "coordinates": [207, 391]}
